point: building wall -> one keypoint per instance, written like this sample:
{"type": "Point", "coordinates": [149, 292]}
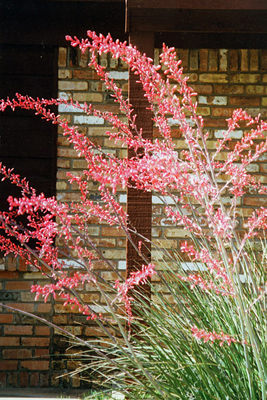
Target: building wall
{"type": "Point", "coordinates": [225, 80]}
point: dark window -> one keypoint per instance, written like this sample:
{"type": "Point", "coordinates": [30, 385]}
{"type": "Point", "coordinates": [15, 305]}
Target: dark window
{"type": "Point", "coordinates": [27, 142]}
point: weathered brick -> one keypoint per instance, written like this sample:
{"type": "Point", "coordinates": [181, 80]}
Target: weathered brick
{"type": "Point", "coordinates": [13, 378]}
{"type": "Point", "coordinates": [34, 379]}
{"type": "Point", "coordinates": [60, 319]}
{"type": "Point", "coordinates": [111, 231]}
{"type": "Point", "coordinates": [203, 60]}
{"type": "Point", "coordinates": [264, 60]}
{"type": "Point", "coordinates": [254, 201]}
{"type": "Point", "coordinates": [28, 307]}
{"type": "Point", "coordinates": [85, 74]}
{"type": "Point", "coordinates": [13, 354]}
{"type": "Point", "coordinates": [6, 318]}
{"type": "Point", "coordinates": [233, 60]}
{"type": "Point", "coordinates": [88, 97]}
{"type": "Point", "coordinates": [72, 85]}
{"type": "Point", "coordinates": [223, 60]}
{"type": "Point", "coordinates": [67, 153]}
{"type": "Point", "coordinates": [213, 60]}
{"type": "Point", "coordinates": [64, 74]}
{"type": "Point", "coordinates": [63, 163]}
{"type": "Point", "coordinates": [44, 380]}
{"type": "Point", "coordinates": [222, 112]}
{"type": "Point", "coordinates": [18, 285]}
{"type": "Point", "coordinates": [192, 77]}
{"type": "Point", "coordinates": [35, 365]}
{"type": "Point", "coordinates": [11, 263]}
{"type": "Point", "coordinates": [6, 341]}
{"type": "Point", "coordinates": [244, 60]}
{"type": "Point", "coordinates": [229, 89]}
{"type": "Point", "coordinates": [119, 75]}
{"type": "Point", "coordinates": [256, 89]}
{"type": "Point", "coordinates": [202, 89]}
{"type": "Point", "coordinates": [9, 275]}
{"type": "Point", "coordinates": [18, 330]}
{"type": "Point", "coordinates": [42, 353]}
{"type": "Point", "coordinates": [22, 265]}
{"type": "Point", "coordinates": [204, 111]}
{"type": "Point", "coordinates": [3, 379]}
{"type": "Point", "coordinates": [59, 308]}
{"type": "Point", "coordinates": [8, 365]}
{"type": "Point", "coordinates": [244, 101]}
{"type": "Point", "coordinates": [253, 60]}
{"type": "Point", "coordinates": [184, 57]}
{"type": "Point", "coordinates": [42, 330]}
{"type": "Point", "coordinates": [88, 120]}
{"type": "Point", "coordinates": [193, 63]}
{"type": "Point", "coordinates": [218, 77]}
{"type": "Point", "coordinates": [83, 58]}
{"type": "Point", "coordinates": [213, 100]}
{"type": "Point", "coordinates": [237, 134]}
{"type": "Point", "coordinates": [245, 78]}
{"type": "Point", "coordinates": [62, 57]}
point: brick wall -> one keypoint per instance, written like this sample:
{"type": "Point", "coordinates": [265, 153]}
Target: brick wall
{"type": "Point", "coordinates": [225, 80]}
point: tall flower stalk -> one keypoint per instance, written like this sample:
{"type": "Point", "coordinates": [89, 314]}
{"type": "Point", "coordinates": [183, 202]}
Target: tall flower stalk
{"type": "Point", "coordinates": [204, 335]}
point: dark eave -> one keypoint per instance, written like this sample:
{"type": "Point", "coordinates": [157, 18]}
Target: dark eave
{"type": "Point", "coordinates": [199, 4]}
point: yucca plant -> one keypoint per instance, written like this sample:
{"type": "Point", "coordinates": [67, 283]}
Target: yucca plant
{"type": "Point", "coordinates": [202, 334]}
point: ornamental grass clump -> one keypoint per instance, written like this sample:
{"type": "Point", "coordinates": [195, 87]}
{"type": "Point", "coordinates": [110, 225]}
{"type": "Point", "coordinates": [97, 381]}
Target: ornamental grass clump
{"type": "Point", "coordinates": [202, 333]}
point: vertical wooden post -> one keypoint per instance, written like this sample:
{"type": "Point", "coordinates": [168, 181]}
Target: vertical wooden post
{"type": "Point", "coordinates": [139, 203]}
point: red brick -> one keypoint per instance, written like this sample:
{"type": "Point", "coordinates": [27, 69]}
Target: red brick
{"type": "Point", "coordinates": [3, 379]}
{"type": "Point", "coordinates": [28, 307]}
{"type": "Point", "coordinates": [218, 123]}
{"type": "Point", "coordinates": [244, 101]}
{"type": "Point", "coordinates": [111, 231]}
{"type": "Point", "coordinates": [254, 201]}
{"type": "Point", "coordinates": [44, 308]}
{"type": "Point", "coordinates": [24, 379]}
{"type": "Point", "coordinates": [264, 60]}
{"type": "Point", "coordinates": [62, 57]}
{"type": "Point", "coordinates": [35, 365]}
{"type": "Point", "coordinates": [184, 58]}
{"type": "Point", "coordinates": [11, 263]}
{"type": "Point", "coordinates": [34, 379]}
{"type": "Point", "coordinates": [35, 342]}
{"type": "Point", "coordinates": [8, 365]}
{"type": "Point", "coordinates": [233, 60]}
{"type": "Point", "coordinates": [18, 330]}
{"type": "Point", "coordinates": [85, 74]}
{"type": "Point", "coordinates": [9, 275]}
{"type": "Point", "coordinates": [23, 266]}
{"type": "Point", "coordinates": [203, 60]}
{"type": "Point", "coordinates": [18, 285]}
{"type": "Point", "coordinates": [42, 331]}
{"type": "Point", "coordinates": [42, 353]}
{"type": "Point", "coordinates": [6, 318]}
{"type": "Point", "coordinates": [222, 112]}
{"type": "Point", "coordinates": [60, 319]}
{"type": "Point", "coordinates": [14, 354]}
{"type": "Point", "coordinates": [13, 379]}
{"type": "Point", "coordinates": [9, 341]}
{"type": "Point", "coordinates": [228, 89]}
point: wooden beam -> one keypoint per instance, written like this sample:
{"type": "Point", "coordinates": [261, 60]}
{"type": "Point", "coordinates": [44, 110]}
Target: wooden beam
{"type": "Point", "coordinates": [178, 20]}
{"type": "Point", "coordinates": [139, 203]}
{"type": "Point", "coordinates": [47, 22]}
{"type": "Point", "coordinates": [200, 4]}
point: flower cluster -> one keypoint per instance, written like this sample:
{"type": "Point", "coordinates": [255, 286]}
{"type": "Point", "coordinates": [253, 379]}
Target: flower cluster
{"type": "Point", "coordinates": [191, 179]}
